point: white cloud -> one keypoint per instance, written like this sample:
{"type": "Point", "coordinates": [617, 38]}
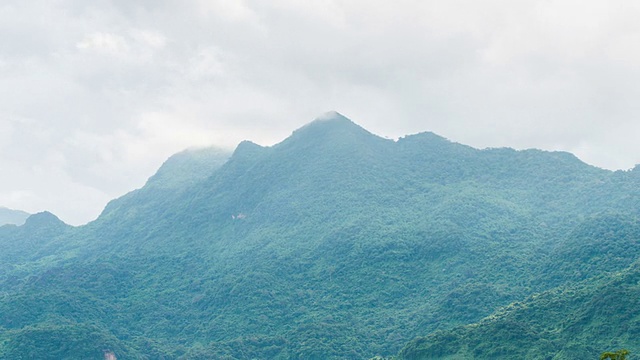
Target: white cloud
{"type": "Point", "coordinates": [149, 38]}
{"type": "Point", "coordinates": [206, 64]}
{"type": "Point", "coordinates": [230, 10]}
{"type": "Point", "coordinates": [104, 43]}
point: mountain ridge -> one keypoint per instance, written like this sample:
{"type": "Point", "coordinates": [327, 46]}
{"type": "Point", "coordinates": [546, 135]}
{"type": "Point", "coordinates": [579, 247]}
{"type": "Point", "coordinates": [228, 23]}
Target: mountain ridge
{"type": "Point", "coordinates": [334, 243]}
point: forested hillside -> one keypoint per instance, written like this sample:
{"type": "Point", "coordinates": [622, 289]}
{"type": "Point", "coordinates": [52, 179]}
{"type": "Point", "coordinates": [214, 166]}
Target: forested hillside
{"type": "Point", "coordinates": [578, 321]}
{"type": "Point", "coordinates": [333, 244]}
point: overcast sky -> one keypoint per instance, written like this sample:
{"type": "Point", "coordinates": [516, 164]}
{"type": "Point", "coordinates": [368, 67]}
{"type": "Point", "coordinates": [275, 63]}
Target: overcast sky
{"type": "Point", "coordinates": [95, 95]}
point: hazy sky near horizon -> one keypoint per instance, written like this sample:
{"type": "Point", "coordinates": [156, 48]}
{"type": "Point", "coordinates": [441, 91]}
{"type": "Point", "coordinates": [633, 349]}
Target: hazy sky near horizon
{"type": "Point", "coordinates": [95, 95]}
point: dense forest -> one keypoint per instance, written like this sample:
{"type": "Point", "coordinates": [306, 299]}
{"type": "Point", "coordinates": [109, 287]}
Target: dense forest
{"type": "Point", "coordinates": [336, 244]}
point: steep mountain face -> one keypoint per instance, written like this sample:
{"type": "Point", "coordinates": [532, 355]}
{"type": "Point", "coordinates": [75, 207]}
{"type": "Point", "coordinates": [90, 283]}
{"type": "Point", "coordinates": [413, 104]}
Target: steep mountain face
{"type": "Point", "coordinates": [12, 217]}
{"type": "Point", "coordinates": [332, 244]}
{"type": "Point", "coordinates": [178, 174]}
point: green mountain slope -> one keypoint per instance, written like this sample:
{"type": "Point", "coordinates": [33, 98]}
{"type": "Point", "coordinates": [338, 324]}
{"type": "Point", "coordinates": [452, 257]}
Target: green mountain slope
{"type": "Point", "coordinates": [30, 242]}
{"type": "Point", "coordinates": [579, 321]}
{"type": "Point", "coordinates": [597, 311]}
{"type": "Point", "coordinates": [332, 244]}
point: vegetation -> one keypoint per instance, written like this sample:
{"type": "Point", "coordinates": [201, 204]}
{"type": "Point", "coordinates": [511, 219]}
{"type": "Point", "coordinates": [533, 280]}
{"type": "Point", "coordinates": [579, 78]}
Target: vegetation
{"type": "Point", "coordinates": [334, 244]}
{"type": "Point", "coordinates": [571, 322]}
{"type": "Point", "coordinates": [618, 355]}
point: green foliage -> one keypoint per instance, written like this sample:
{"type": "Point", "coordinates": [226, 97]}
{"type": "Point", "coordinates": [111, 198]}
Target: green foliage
{"type": "Point", "coordinates": [568, 322]}
{"type": "Point", "coordinates": [618, 355]}
{"type": "Point", "coordinates": [332, 244]}
{"type": "Point", "coordinates": [62, 341]}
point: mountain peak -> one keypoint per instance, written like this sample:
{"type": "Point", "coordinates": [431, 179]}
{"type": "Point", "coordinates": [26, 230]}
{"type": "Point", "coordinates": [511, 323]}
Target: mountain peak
{"type": "Point", "coordinates": [331, 116]}
{"type": "Point", "coordinates": [247, 146]}
{"type": "Point", "coordinates": [332, 120]}
{"type": "Point", "coordinates": [247, 150]}
{"type": "Point", "coordinates": [330, 128]}
{"type": "Point", "coordinates": [41, 219]}
{"type": "Point", "coordinates": [188, 167]}
{"type": "Point", "coordinates": [426, 136]}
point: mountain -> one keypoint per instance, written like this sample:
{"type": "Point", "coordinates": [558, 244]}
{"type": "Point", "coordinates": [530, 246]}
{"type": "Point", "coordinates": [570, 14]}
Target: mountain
{"type": "Point", "coordinates": [31, 240]}
{"type": "Point", "coordinates": [13, 217]}
{"type": "Point", "coordinates": [595, 309]}
{"type": "Point", "coordinates": [335, 243]}
{"type": "Point", "coordinates": [577, 321]}
{"type": "Point", "coordinates": [165, 192]}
